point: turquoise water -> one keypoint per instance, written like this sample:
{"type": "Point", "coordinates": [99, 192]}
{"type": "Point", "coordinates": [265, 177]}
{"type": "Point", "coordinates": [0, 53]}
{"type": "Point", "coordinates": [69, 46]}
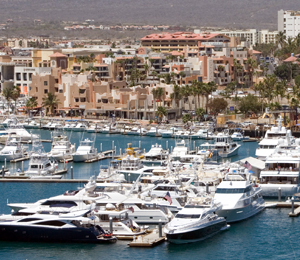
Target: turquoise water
{"type": "Point", "coordinates": [268, 235]}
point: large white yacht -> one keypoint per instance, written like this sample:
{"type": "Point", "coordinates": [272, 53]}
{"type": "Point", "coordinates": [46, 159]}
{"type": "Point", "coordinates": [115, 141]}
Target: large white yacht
{"type": "Point", "coordinates": [268, 144]}
{"type": "Point", "coordinates": [281, 172]}
{"type": "Point", "coordinates": [156, 153]}
{"type": "Point", "coordinates": [239, 196]}
{"type": "Point", "coordinates": [195, 222]}
{"type": "Point", "coordinates": [13, 149]}
{"type": "Point", "coordinates": [85, 151]}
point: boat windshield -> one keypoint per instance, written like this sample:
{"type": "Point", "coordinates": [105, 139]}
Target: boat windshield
{"type": "Point", "coordinates": [187, 216]}
{"type": "Point", "coordinates": [238, 190]}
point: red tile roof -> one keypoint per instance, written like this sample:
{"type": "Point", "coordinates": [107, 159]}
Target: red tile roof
{"type": "Point", "coordinates": [57, 55]}
{"type": "Point", "coordinates": [179, 36]}
{"type": "Point", "coordinates": [290, 59]}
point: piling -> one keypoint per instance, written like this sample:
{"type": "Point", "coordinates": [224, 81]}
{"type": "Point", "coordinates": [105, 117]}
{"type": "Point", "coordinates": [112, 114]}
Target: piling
{"type": "Point", "coordinates": [72, 172]}
{"type": "Point", "coordinates": [101, 148]}
{"type": "Point", "coordinates": [22, 166]}
{"type": "Point", "coordinates": [95, 175]}
{"type": "Point", "coordinates": [167, 145]}
{"type": "Point", "coordinates": [5, 163]}
{"type": "Point", "coordinates": [293, 205]}
{"type": "Point", "coordinates": [139, 144]}
{"type": "Point", "coordinates": [113, 145]}
{"type": "Point", "coordinates": [3, 171]}
{"type": "Point", "coordinates": [129, 177]}
{"type": "Point", "coordinates": [120, 151]}
{"type": "Point", "coordinates": [279, 194]}
{"type": "Point", "coordinates": [110, 224]}
{"type": "Point", "coordinates": [207, 188]}
{"type": "Point", "coordinates": [160, 228]}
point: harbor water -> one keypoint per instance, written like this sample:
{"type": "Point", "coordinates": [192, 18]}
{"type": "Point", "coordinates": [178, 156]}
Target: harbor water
{"type": "Point", "coordinates": [268, 235]}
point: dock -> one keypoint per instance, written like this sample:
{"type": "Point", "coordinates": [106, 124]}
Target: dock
{"type": "Point", "coordinates": [295, 210]}
{"type": "Point", "coordinates": [20, 159]}
{"type": "Point", "coordinates": [148, 240]}
{"type": "Point", "coordinates": [251, 139]}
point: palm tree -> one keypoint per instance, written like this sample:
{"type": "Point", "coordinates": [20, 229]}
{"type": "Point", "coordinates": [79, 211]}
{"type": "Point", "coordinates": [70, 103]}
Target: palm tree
{"type": "Point", "coordinates": [7, 93]}
{"type": "Point", "coordinates": [208, 89]}
{"type": "Point", "coordinates": [182, 75]}
{"type": "Point", "coordinates": [31, 103]}
{"type": "Point", "coordinates": [50, 101]}
{"type": "Point", "coordinates": [157, 94]}
{"type": "Point", "coordinates": [176, 95]}
{"type": "Point", "coordinates": [15, 94]}
{"type": "Point", "coordinates": [281, 39]}
{"type": "Point", "coordinates": [185, 91]}
{"type": "Point", "coordinates": [160, 112]}
{"type": "Point", "coordinates": [200, 112]}
{"type": "Point", "coordinates": [252, 64]}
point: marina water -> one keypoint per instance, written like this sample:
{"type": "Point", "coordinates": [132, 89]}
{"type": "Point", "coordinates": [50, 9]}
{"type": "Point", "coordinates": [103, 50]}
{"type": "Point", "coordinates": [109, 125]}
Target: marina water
{"type": "Point", "coordinates": [268, 235]}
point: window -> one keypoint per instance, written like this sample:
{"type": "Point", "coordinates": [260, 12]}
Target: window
{"type": "Point", "coordinates": [76, 99]}
{"type": "Point", "coordinates": [45, 91]}
{"type": "Point", "coordinates": [52, 223]}
{"type": "Point", "coordinates": [18, 76]}
{"type": "Point", "coordinates": [45, 83]}
{"type": "Point", "coordinates": [24, 76]}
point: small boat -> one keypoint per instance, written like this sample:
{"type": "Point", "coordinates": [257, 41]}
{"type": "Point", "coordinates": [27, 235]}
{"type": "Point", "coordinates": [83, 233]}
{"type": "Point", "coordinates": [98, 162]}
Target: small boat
{"type": "Point", "coordinates": [85, 151]}
{"type": "Point", "coordinates": [80, 127]}
{"type": "Point", "coordinates": [237, 136]}
{"type": "Point", "coordinates": [137, 131]}
{"type": "Point", "coordinates": [62, 149]}
{"type": "Point", "coordinates": [195, 222]}
{"type": "Point", "coordinates": [154, 131]}
{"type": "Point", "coordinates": [202, 134]}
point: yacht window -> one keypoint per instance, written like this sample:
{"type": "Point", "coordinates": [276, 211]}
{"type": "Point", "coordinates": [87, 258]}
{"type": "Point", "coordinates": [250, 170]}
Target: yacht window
{"type": "Point", "coordinates": [48, 165]}
{"type": "Point", "coordinates": [34, 166]}
{"type": "Point", "coordinates": [55, 223]}
{"type": "Point", "coordinates": [187, 216]}
{"type": "Point", "coordinates": [220, 190]}
{"type": "Point", "coordinates": [65, 204]}
{"type": "Point", "coordinates": [29, 219]}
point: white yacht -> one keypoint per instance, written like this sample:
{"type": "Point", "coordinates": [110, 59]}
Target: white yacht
{"type": "Point", "coordinates": [224, 145]}
{"type": "Point", "coordinates": [13, 149]}
{"type": "Point", "coordinates": [93, 128]}
{"type": "Point", "coordinates": [169, 133]}
{"type": "Point", "coordinates": [137, 131]}
{"type": "Point", "coordinates": [195, 222]}
{"type": "Point", "coordinates": [202, 134]}
{"type": "Point", "coordinates": [179, 150]}
{"type": "Point", "coordinates": [237, 136]}
{"type": "Point", "coordinates": [40, 167]}
{"type": "Point", "coordinates": [80, 127]}
{"type": "Point", "coordinates": [110, 129]}
{"type": "Point", "coordinates": [14, 129]}
{"type": "Point", "coordinates": [156, 153]}
{"type": "Point", "coordinates": [268, 144]}
{"type": "Point", "coordinates": [62, 149]}
{"type": "Point", "coordinates": [154, 131]}
{"type": "Point", "coordinates": [281, 172]}
{"type": "Point", "coordinates": [85, 151]}
{"type": "Point", "coordinates": [240, 197]}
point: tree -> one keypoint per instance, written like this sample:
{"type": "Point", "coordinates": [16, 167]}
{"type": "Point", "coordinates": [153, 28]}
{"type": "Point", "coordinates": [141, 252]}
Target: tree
{"type": "Point", "coordinates": [186, 118]}
{"type": "Point", "coordinates": [200, 112]}
{"type": "Point", "coordinates": [160, 112]}
{"type": "Point", "coordinates": [15, 94]}
{"type": "Point", "coordinates": [217, 105]}
{"type": "Point", "coordinates": [31, 103]}
{"type": "Point", "coordinates": [50, 101]}
{"type": "Point", "coordinates": [249, 104]}
{"type": "Point", "coordinates": [281, 39]}
{"type": "Point", "coordinates": [176, 95]}
{"type": "Point", "coordinates": [158, 93]}
{"type": "Point", "coordinates": [7, 93]}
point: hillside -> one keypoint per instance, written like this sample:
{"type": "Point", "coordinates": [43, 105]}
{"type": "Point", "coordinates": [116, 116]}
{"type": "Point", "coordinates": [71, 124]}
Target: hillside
{"type": "Point", "coordinates": [230, 13]}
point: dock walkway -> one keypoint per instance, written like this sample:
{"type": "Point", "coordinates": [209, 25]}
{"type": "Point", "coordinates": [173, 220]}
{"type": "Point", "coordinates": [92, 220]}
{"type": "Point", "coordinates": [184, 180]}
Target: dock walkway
{"type": "Point", "coordinates": [148, 240]}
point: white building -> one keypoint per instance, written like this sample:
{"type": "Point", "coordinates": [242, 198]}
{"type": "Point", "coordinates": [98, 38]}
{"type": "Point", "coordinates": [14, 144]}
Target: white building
{"type": "Point", "coordinates": [252, 36]}
{"type": "Point", "coordinates": [289, 23]}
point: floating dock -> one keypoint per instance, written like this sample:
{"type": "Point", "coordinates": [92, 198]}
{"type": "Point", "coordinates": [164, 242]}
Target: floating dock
{"type": "Point", "coordinates": [148, 240]}
{"type": "Point", "coordinates": [295, 211]}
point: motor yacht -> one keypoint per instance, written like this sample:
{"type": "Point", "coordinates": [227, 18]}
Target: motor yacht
{"type": "Point", "coordinates": [137, 131]}
{"type": "Point", "coordinates": [156, 153]}
{"type": "Point", "coordinates": [202, 134]}
{"type": "Point", "coordinates": [169, 133]}
{"type": "Point", "coordinates": [62, 149]}
{"type": "Point", "coordinates": [195, 222]}
{"type": "Point", "coordinates": [271, 139]}
{"type": "Point", "coordinates": [179, 150]}
{"type": "Point", "coordinates": [110, 129]}
{"type": "Point", "coordinates": [223, 144]}
{"type": "Point", "coordinates": [237, 136]}
{"type": "Point", "coordinates": [240, 197]}
{"type": "Point", "coordinates": [54, 228]}
{"type": "Point", "coordinates": [40, 167]}
{"type": "Point", "coordinates": [85, 151]}
{"type": "Point", "coordinates": [80, 127]}
{"type": "Point", "coordinates": [154, 131]}
{"type": "Point", "coordinates": [281, 172]}
{"type": "Point", "coordinates": [13, 149]}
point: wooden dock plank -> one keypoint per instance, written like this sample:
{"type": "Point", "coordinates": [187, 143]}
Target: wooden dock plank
{"type": "Point", "coordinates": [148, 240]}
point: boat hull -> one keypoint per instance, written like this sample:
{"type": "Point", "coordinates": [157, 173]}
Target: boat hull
{"type": "Point", "coordinates": [197, 234]}
{"type": "Point", "coordinates": [239, 214]}
{"type": "Point", "coordinates": [44, 234]}
{"type": "Point", "coordinates": [84, 157]}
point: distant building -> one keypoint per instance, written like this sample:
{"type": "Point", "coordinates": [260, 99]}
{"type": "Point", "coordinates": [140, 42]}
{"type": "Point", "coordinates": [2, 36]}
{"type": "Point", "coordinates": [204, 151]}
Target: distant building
{"type": "Point", "coordinates": [289, 23]}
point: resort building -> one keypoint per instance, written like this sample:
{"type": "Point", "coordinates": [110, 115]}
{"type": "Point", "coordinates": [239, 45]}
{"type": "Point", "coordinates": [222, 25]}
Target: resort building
{"type": "Point", "coordinates": [289, 23]}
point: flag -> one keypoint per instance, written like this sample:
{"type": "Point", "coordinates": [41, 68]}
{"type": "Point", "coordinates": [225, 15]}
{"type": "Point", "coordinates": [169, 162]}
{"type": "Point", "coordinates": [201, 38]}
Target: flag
{"type": "Point", "coordinates": [248, 165]}
{"type": "Point", "coordinates": [168, 197]}
{"type": "Point", "coordinates": [131, 209]}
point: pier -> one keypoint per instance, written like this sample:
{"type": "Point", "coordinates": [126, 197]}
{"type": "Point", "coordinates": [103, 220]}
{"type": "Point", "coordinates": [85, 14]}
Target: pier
{"type": "Point", "coordinates": [148, 240]}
